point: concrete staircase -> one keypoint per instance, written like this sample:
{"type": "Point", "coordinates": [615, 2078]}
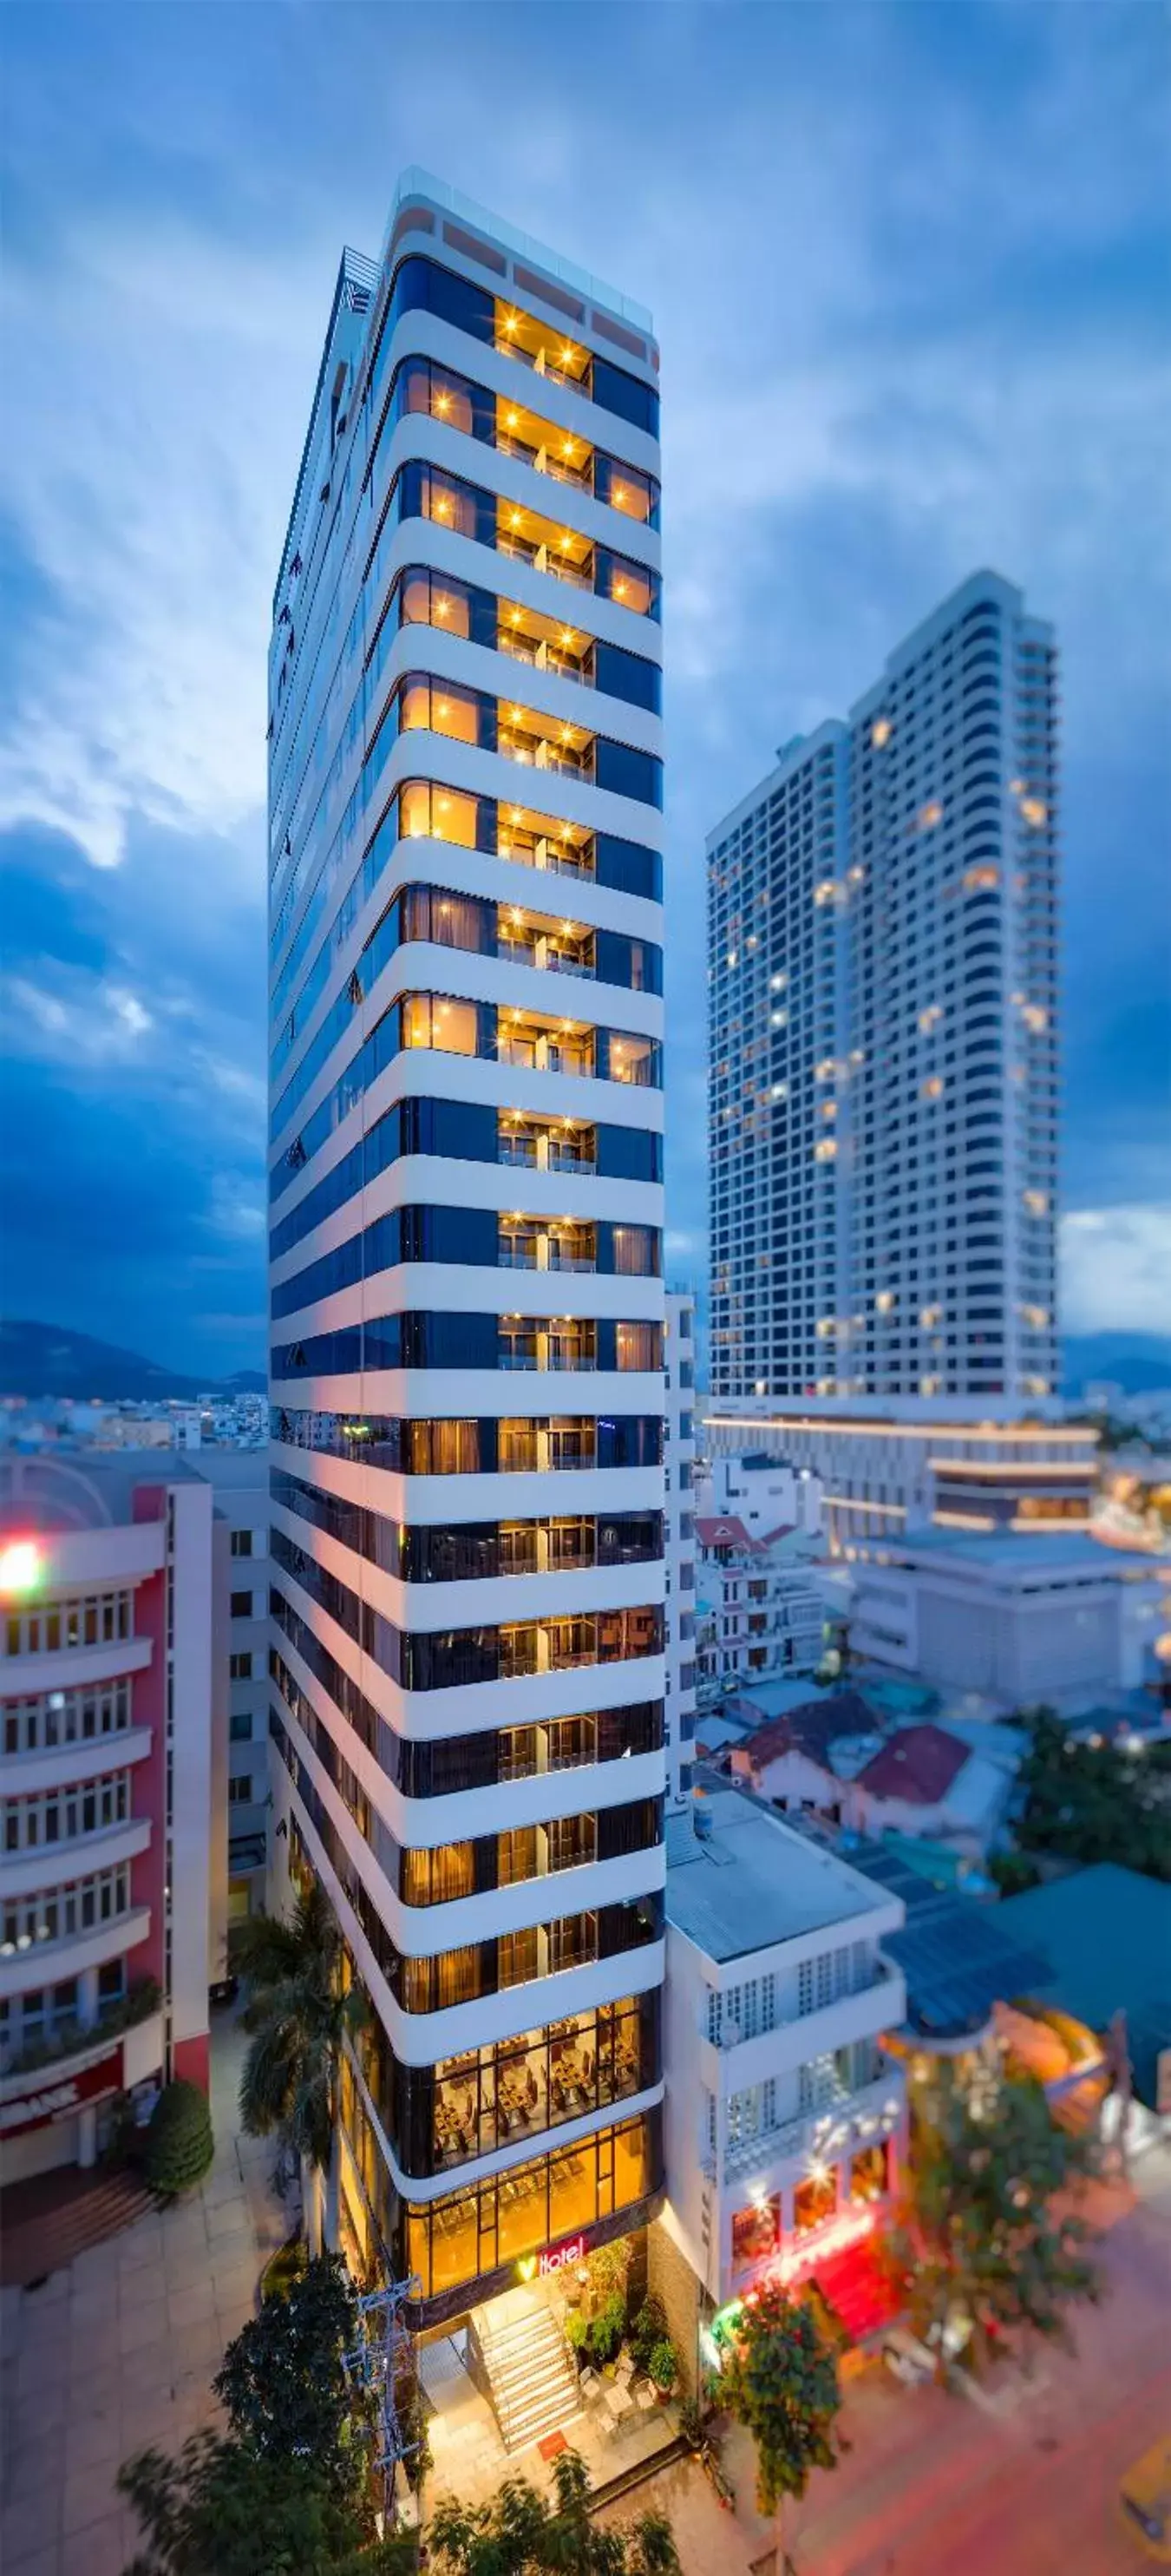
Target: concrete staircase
{"type": "Point", "coordinates": [531, 2375]}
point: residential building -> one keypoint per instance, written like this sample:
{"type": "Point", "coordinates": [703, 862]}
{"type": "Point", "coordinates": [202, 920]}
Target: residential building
{"type": "Point", "coordinates": [467, 1510]}
{"type": "Point", "coordinates": [785, 2116]}
{"type": "Point", "coordinates": [831, 1761]}
{"type": "Point", "coordinates": [883, 952]}
{"type": "Point", "coordinates": [1058, 1618]}
{"type": "Point", "coordinates": [762, 1492]}
{"type": "Point", "coordinates": [239, 1483]}
{"type": "Point", "coordinates": [107, 1592]}
{"type": "Point", "coordinates": [761, 1611]}
{"type": "Point", "coordinates": [679, 1542]}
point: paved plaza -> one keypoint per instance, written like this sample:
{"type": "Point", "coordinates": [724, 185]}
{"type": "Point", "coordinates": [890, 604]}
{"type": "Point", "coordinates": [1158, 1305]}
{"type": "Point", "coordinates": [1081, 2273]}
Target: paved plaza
{"type": "Point", "coordinates": [117, 2351]}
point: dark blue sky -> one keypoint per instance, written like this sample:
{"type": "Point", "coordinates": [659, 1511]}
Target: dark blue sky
{"type": "Point", "coordinates": [908, 267]}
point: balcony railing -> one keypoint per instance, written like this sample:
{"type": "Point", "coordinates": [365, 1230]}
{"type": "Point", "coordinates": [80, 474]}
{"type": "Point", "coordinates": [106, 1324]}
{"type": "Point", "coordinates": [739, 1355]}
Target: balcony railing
{"type": "Point", "coordinates": [542, 754]}
{"type": "Point", "coordinates": [557, 468]}
{"type": "Point", "coordinates": [539, 558]}
{"type": "Point", "coordinates": [864, 2115]}
{"type": "Point", "coordinates": [543, 656]}
{"type": "Point", "coordinates": [506, 348]}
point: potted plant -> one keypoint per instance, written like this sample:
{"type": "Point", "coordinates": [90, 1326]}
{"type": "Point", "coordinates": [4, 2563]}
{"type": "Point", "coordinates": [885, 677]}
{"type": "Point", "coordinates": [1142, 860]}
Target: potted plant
{"type": "Point", "coordinates": [663, 2368]}
{"type": "Point", "coordinates": [691, 2425]}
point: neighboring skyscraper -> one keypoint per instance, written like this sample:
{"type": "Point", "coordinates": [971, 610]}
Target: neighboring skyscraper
{"type": "Point", "coordinates": [467, 1522]}
{"type": "Point", "coordinates": [107, 1584]}
{"type": "Point", "coordinates": [883, 950]}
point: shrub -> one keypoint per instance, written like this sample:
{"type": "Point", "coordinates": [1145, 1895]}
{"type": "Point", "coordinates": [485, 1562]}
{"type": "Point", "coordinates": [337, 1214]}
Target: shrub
{"type": "Point", "coordinates": [663, 2366]}
{"type": "Point", "coordinates": [179, 2142]}
{"type": "Point", "coordinates": [608, 2327]}
{"type": "Point", "coordinates": [577, 2331]}
{"type": "Point", "coordinates": [649, 2328]}
{"type": "Point", "coordinates": [283, 2268]}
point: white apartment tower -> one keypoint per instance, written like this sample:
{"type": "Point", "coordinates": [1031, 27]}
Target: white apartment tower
{"type": "Point", "coordinates": [467, 1300]}
{"type": "Point", "coordinates": [883, 953]}
{"type": "Point", "coordinates": [679, 1543]}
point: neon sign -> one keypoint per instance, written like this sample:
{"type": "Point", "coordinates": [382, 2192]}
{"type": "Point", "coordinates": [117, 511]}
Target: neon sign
{"type": "Point", "coordinates": [559, 2258]}
{"type": "Point", "coordinates": [847, 2229]}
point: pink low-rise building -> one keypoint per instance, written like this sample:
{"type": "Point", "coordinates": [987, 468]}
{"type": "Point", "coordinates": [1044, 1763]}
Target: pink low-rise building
{"type": "Point", "coordinates": [108, 1590]}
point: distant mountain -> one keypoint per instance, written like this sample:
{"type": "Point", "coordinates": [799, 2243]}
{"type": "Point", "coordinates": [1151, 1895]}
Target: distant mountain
{"type": "Point", "coordinates": [38, 1360]}
{"type": "Point", "coordinates": [1138, 1362]}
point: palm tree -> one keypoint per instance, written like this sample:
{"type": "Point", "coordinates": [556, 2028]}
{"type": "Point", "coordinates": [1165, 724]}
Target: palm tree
{"type": "Point", "coordinates": [298, 2013]}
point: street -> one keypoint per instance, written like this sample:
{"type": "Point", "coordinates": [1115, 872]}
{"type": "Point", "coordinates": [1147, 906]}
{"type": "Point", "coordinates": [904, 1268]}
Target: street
{"type": "Point", "coordinates": [1022, 2482]}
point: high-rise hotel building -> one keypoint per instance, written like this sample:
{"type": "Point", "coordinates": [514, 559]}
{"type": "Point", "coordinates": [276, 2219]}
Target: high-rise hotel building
{"type": "Point", "coordinates": [883, 954]}
{"type": "Point", "coordinates": [466, 1279]}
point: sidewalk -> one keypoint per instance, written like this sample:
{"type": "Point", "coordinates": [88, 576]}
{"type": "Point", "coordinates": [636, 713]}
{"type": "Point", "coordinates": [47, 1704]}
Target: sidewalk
{"type": "Point", "coordinates": [117, 2350]}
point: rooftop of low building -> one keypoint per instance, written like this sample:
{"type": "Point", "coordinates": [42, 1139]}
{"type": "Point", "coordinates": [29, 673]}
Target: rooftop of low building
{"type": "Point", "coordinates": [744, 1881]}
{"type": "Point", "coordinates": [1106, 1935]}
{"type": "Point", "coordinates": [79, 1489]}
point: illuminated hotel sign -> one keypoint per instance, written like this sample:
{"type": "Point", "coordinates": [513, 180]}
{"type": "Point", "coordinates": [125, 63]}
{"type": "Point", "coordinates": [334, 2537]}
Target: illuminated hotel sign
{"type": "Point", "coordinates": [558, 2258]}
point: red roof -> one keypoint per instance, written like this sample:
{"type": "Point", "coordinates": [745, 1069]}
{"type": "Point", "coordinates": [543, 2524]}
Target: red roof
{"type": "Point", "coordinates": [730, 1532]}
{"type": "Point", "coordinates": [918, 1764]}
{"type": "Point", "coordinates": [810, 1729]}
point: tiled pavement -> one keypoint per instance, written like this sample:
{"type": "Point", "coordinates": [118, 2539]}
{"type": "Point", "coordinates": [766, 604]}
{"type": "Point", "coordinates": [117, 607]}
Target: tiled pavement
{"type": "Point", "coordinates": [117, 2351]}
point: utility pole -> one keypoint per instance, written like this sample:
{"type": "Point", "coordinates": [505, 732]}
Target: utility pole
{"type": "Point", "coordinates": [377, 2364]}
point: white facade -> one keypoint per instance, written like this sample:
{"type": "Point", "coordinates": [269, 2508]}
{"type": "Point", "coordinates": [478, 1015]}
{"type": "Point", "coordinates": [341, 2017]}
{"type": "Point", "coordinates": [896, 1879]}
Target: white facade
{"type": "Point", "coordinates": [679, 1542]}
{"type": "Point", "coordinates": [107, 1594]}
{"type": "Point", "coordinates": [777, 1996]}
{"type": "Point", "coordinates": [760, 1608]}
{"type": "Point", "coordinates": [468, 1307]}
{"type": "Point", "coordinates": [239, 1483]}
{"type": "Point", "coordinates": [1056, 1620]}
{"type": "Point", "coordinates": [883, 953]}
{"type": "Point", "coordinates": [887, 1474]}
{"type": "Point", "coordinates": [765, 1493]}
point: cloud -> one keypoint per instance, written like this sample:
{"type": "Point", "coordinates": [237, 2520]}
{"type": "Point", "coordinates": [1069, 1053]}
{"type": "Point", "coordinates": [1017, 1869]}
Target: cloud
{"type": "Point", "coordinates": [905, 271]}
{"type": "Point", "coordinates": [1115, 1269]}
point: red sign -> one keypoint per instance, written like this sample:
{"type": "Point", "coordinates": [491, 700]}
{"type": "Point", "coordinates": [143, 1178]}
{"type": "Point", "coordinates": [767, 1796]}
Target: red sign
{"type": "Point", "coordinates": [558, 2258]}
{"type": "Point", "coordinates": [58, 2094]}
{"type": "Point", "coordinates": [803, 2257]}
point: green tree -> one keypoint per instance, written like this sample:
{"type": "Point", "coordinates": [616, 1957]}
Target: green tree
{"type": "Point", "coordinates": [523, 2533]}
{"type": "Point", "coordinates": [286, 2389]}
{"type": "Point", "coordinates": [298, 2014]}
{"type": "Point", "coordinates": [179, 2141]}
{"type": "Point", "coordinates": [990, 2236]}
{"type": "Point", "coordinates": [220, 2509]}
{"type": "Point", "coordinates": [1091, 1802]}
{"type": "Point", "coordinates": [780, 2380]}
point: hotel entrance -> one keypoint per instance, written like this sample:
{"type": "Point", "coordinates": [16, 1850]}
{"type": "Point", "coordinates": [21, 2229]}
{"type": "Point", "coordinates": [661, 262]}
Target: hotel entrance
{"type": "Point", "coordinates": [515, 2381]}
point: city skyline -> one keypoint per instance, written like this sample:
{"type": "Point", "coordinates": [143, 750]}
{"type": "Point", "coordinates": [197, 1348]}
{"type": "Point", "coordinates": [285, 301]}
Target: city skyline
{"type": "Point", "coordinates": [886, 432]}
